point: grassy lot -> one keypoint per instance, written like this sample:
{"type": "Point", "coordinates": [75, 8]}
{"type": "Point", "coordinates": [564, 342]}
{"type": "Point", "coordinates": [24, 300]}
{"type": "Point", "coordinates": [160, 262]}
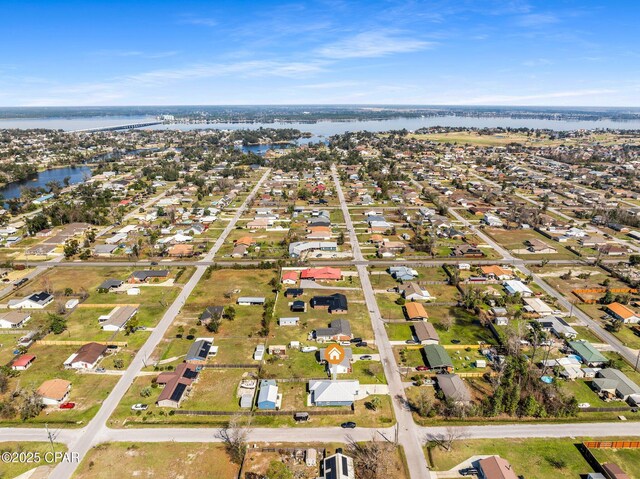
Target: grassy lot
{"type": "Point", "coordinates": [465, 328]}
{"type": "Point", "coordinates": [514, 240]}
{"type": "Point", "coordinates": [627, 459]}
{"type": "Point", "coordinates": [159, 460]}
{"type": "Point", "coordinates": [312, 319]}
{"type": "Point", "coordinates": [551, 275]}
{"type": "Point", "coordinates": [87, 390]}
{"type": "Point", "coordinates": [534, 458]}
{"type": "Point", "coordinates": [14, 469]}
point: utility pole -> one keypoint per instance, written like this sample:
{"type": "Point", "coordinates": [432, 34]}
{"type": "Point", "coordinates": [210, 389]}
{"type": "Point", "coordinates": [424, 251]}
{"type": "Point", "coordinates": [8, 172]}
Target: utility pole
{"type": "Point", "coordinates": [50, 436]}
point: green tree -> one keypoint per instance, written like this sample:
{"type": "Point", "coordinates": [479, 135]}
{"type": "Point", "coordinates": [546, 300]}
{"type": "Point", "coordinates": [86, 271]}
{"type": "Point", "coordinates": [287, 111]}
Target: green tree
{"type": "Point", "coordinates": [71, 247]}
{"type": "Point", "coordinates": [57, 323]}
{"type": "Point", "coordinates": [278, 470]}
{"type": "Point", "coordinates": [230, 313]}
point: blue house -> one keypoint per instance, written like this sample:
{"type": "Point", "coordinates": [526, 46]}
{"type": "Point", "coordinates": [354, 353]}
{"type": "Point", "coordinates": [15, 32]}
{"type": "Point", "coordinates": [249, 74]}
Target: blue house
{"type": "Point", "coordinates": [268, 397]}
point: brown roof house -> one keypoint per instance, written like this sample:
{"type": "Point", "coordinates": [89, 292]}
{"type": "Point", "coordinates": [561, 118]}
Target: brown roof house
{"type": "Point", "coordinates": [54, 391]}
{"type": "Point", "coordinates": [177, 385]}
{"type": "Point", "coordinates": [87, 357]}
{"type": "Point", "coordinates": [495, 467]}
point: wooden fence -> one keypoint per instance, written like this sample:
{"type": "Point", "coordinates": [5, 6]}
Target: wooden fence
{"type": "Point", "coordinates": [81, 343]}
{"type": "Point", "coordinates": [230, 366]}
{"type": "Point", "coordinates": [612, 444]}
{"type": "Point", "coordinates": [340, 412]}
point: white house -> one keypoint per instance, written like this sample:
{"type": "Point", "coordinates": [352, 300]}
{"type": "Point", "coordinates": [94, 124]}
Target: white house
{"type": "Point", "coordinates": [293, 321]}
{"type": "Point", "coordinates": [514, 286]}
{"type": "Point", "coordinates": [34, 301]}
{"type": "Point", "coordinates": [14, 319]}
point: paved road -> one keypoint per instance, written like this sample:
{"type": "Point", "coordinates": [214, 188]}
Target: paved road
{"type": "Point", "coordinates": [327, 434]}
{"type": "Point", "coordinates": [408, 433]}
{"type": "Point", "coordinates": [98, 424]}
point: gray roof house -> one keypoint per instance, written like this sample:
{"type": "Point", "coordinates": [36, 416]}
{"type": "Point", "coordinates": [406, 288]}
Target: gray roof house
{"type": "Point", "coordinates": [453, 388]}
{"type": "Point", "coordinates": [612, 382]}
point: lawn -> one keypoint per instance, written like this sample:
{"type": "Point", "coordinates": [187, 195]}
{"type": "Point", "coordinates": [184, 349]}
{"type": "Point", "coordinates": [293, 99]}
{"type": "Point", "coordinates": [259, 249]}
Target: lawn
{"type": "Point", "coordinates": [466, 327]}
{"type": "Point", "coordinates": [159, 460]}
{"type": "Point", "coordinates": [514, 240]}
{"type": "Point", "coordinates": [87, 390]}
{"type": "Point", "coordinates": [534, 458]}
{"type": "Point", "coordinates": [627, 459]}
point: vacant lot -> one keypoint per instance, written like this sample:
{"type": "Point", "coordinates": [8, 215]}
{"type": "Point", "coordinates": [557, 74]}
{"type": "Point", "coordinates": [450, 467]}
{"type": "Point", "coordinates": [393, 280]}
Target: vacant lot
{"type": "Point", "coordinates": [158, 460]}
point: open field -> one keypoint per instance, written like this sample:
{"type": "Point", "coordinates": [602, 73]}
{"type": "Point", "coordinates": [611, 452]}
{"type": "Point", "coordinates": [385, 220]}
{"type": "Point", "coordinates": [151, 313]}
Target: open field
{"type": "Point", "coordinates": [162, 461]}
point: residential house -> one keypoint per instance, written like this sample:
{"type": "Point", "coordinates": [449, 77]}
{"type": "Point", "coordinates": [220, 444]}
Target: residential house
{"type": "Point", "coordinates": [453, 388]}
{"type": "Point", "coordinates": [622, 312]}
{"type": "Point", "coordinates": [425, 333]}
{"type": "Point", "coordinates": [403, 273]}
{"type": "Point", "coordinates": [537, 246]}
{"type": "Point", "coordinates": [322, 274]}
{"type": "Point", "coordinates": [23, 362]}
{"type": "Point", "coordinates": [496, 272]}
{"type": "Point", "coordinates": [415, 312]}
{"type": "Point", "coordinates": [611, 383]}
{"type": "Point", "coordinates": [145, 275]}
{"type": "Point", "coordinates": [558, 326]}
{"type": "Point", "coordinates": [514, 286]}
{"type": "Point", "coordinates": [301, 248]}
{"type": "Point", "coordinates": [87, 357]}
{"type": "Point", "coordinates": [268, 398]}
{"type": "Point", "coordinates": [338, 466]}
{"type": "Point", "coordinates": [290, 277]}
{"type": "Point", "coordinates": [293, 292]}
{"type": "Point", "coordinates": [333, 392]}
{"type": "Point", "coordinates": [200, 351]}
{"type": "Point", "coordinates": [250, 300]}
{"type": "Point", "coordinates": [495, 467]}
{"type": "Point", "coordinates": [110, 285]}
{"type": "Point", "coordinates": [14, 319]}
{"type": "Point", "coordinates": [211, 312]}
{"type": "Point", "coordinates": [466, 251]}
{"type": "Point", "coordinates": [413, 292]}
{"type": "Point", "coordinates": [38, 300]}
{"type": "Point", "coordinates": [343, 367]}
{"type": "Point", "coordinates": [117, 319]}
{"type": "Point", "coordinates": [54, 391]}
{"type": "Point", "coordinates": [177, 385]}
{"type": "Point", "coordinates": [437, 358]}
{"type": "Point", "coordinates": [588, 354]}
{"type": "Point", "coordinates": [335, 303]}
{"type": "Point", "coordinates": [292, 321]}
{"type": "Point", "coordinates": [338, 330]}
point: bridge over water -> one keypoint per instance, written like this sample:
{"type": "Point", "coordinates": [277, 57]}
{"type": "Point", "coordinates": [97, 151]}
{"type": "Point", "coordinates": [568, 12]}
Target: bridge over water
{"type": "Point", "coordinates": [129, 126]}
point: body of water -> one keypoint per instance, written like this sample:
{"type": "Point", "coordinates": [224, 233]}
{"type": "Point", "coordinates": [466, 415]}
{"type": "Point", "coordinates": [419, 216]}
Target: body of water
{"type": "Point", "coordinates": [328, 128]}
{"type": "Point", "coordinates": [76, 175]}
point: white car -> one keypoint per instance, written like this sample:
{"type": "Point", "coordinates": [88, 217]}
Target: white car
{"type": "Point", "coordinates": [584, 405]}
{"type": "Point", "coordinates": [309, 349]}
{"type": "Point", "coordinates": [139, 407]}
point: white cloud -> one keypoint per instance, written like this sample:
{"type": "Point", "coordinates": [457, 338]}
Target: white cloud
{"type": "Point", "coordinates": [372, 44]}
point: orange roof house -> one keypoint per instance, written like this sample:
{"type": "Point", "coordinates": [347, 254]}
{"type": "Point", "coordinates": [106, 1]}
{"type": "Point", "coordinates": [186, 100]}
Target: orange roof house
{"type": "Point", "coordinates": [622, 312]}
{"type": "Point", "coordinates": [245, 240]}
{"type": "Point", "coordinates": [415, 311]}
{"type": "Point", "coordinates": [496, 271]}
{"type": "Point", "coordinates": [180, 250]}
{"type": "Point", "coordinates": [326, 273]}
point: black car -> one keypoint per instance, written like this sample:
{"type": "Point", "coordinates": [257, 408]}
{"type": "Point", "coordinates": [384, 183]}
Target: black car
{"type": "Point", "coordinates": [362, 344]}
{"type": "Point", "coordinates": [356, 340]}
{"type": "Point", "coordinates": [154, 263]}
{"type": "Point", "coordinates": [455, 341]}
{"type": "Point", "coordinates": [348, 425]}
{"type": "Point", "coordinates": [469, 471]}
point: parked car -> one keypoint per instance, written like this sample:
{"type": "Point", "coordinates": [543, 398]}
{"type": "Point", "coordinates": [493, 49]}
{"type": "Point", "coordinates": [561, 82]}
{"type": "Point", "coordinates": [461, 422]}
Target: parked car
{"type": "Point", "coordinates": [455, 341]}
{"type": "Point", "coordinates": [584, 405]}
{"type": "Point", "coordinates": [362, 344]}
{"type": "Point", "coordinates": [411, 341]}
{"type": "Point", "coordinates": [154, 263]}
{"type": "Point", "coordinates": [356, 340]}
{"type": "Point", "coordinates": [366, 357]}
{"type": "Point", "coordinates": [348, 425]}
{"type": "Point", "coordinates": [422, 368]}
{"type": "Point", "coordinates": [139, 407]}
{"type": "Point", "coordinates": [469, 471]}
{"type": "Point", "coordinates": [67, 405]}
{"type": "Point", "coordinates": [101, 370]}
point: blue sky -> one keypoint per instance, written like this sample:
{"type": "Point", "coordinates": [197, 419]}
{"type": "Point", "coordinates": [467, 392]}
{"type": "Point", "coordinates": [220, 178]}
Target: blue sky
{"type": "Point", "coordinates": [464, 52]}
